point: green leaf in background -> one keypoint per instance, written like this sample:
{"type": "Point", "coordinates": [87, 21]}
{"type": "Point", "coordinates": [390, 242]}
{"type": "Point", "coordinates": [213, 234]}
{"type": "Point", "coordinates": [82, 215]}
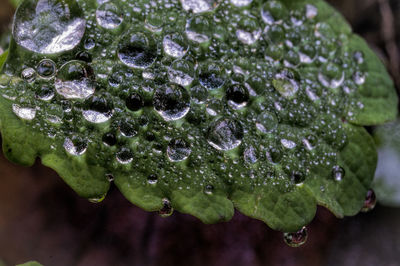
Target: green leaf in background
{"type": "Point", "coordinates": [200, 106]}
{"type": "Point", "coordinates": [387, 182]}
{"type": "Point", "coordinates": [15, 3]}
{"type": "Point", "coordinates": [31, 263]}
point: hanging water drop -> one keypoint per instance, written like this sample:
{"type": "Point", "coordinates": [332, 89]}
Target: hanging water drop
{"type": "Point", "coordinates": [370, 201]}
{"type": "Point", "coordinates": [296, 239]}
{"type": "Point", "coordinates": [166, 208]}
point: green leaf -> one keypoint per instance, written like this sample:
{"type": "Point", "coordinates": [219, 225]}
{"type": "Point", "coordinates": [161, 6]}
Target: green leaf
{"type": "Point", "coordinates": [3, 58]}
{"type": "Point", "coordinates": [15, 3]}
{"type": "Point", "coordinates": [255, 105]}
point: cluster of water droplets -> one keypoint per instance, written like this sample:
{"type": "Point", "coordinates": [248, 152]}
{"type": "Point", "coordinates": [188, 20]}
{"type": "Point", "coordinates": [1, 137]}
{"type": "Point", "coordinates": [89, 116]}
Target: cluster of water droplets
{"type": "Point", "coordinates": [208, 91]}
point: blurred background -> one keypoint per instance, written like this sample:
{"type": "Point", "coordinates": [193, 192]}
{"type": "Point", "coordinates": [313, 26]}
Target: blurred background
{"type": "Point", "coordinates": [42, 219]}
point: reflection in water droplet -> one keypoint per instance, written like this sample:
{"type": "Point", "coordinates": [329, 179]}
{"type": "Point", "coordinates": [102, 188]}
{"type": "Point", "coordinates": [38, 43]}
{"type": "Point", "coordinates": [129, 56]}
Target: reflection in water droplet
{"type": "Point", "coordinates": [75, 80]}
{"type": "Point", "coordinates": [209, 189]}
{"type": "Point", "coordinates": [266, 122]}
{"type": "Point", "coordinates": [338, 173]}
{"type": "Point", "coordinates": [288, 144]}
{"type": "Point", "coordinates": [272, 11]}
{"type": "Point", "coordinates": [75, 146]}
{"type": "Point", "coordinates": [152, 179]}
{"type": "Point", "coordinates": [137, 50]}
{"type": "Point", "coordinates": [25, 113]}
{"type": "Point", "coordinates": [199, 6]}
{"type": "Point", "coordinates": [166, 209]}
{"type": "Point", "coordinates": [46, 68]}
{"type": "Point", "coordinates": [181, 72]}
{"type": "Point", "coordinates": [331, 76]}
{"type": "Point", "coordinates": [249, 155]}
{"type": "Point", "coordinates": [97, 110]}
{"type": "Point", "coordinates": [296, 239]}
{"type": "Point", "coordinates": [370, 201]}
{"type": "Point", "coordinates": [172, 102]}
{"type": "Point", "coordinates": [199, 94]}
{"type": "Point", "coordinates": [225, 134]}
{"type": "Point", "coordinates": [178, 150]}
{"type": "Point", "coordinates": [286, 84]}
{"type": "Point", "coordinates": [359, 78]}
{"type": "Point", "coordinates": [109, 139]}
{"type": "Point", "coordinates": [175, 45]}
{"type": "Point", "coordinates": [248, 31]}
{"type": "Point", "coordinates": [29, 75]}
{"type": "Point", "coordinates": [237, 96]}
{"type": "Point", "coordinates": [198, 29]}
{"type": "Point", "coordinates": [124, 156]}
{"type": "Point", "coordinates": [211, 76]}
{"type": "Point", "coordinates": [109, 15]}
{"type": "Point", "coordinates": [134, 102]}
{"type": "Point", "coordinates": [48, 26]}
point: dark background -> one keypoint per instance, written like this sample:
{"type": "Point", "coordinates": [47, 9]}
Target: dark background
{"type": "Point", "coordinates": [42, 219]}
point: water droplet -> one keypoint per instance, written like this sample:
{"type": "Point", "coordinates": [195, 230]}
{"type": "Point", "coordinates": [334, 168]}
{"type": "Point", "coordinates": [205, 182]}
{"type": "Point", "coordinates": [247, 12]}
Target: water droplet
{"type": "Point", "coordinates": [75, 146]}
{"type": "Point", "coordinates": [211, 76]}
{"type": "Point", "coordinates": [331, 76]}
{"type": "Point", "coordinates": [272, 12]}
{"type": "Point", "coordinates": [109, 15]}
{"type": "Point", "coordinates": [358, 57]}
{"type": "Point", "coordinates": [155, 21]}
{"type": "Point", "coordinates": [46, 68]}
{"type": "Point", "coordinates": [274, 155]}
{"type": "Point", "coordinates": [286, 84]}
{"type": "Point", "coordinates": [266, 122]}
{"type": "Point", "coordinates": [48, 26]}
{"type": "Point", "coordinates": [225, 134]}
{"type": "Point", "coordinates": [25, 113]}
{"type": "Point", "coordinates": [127, 128]}
{"type": "Point", "coordinates": [97, 200]}
{"type": "Point", "coordinates": [97, 109]}
{"type": "Point", "coordinates": [181, 72]}
{"type": "Point", "coordinates": [109, 139]}
{"type": "Point", "coordinates": [134, 102]}
{"type": "Point", "coordinates": [250, 155]}
{"type": "Point", "coordinates": [137, 50]}
{"type": "Point", "coordinates": [152, 179]}
{"type": "Point", "coordinates": [248, 31]}
{"type": "Point", "coordinates": [75, 80]}
{"type": "Point", "coordinates": [84, 56]}
{"type": "Point", "coordinates": [178, 150]}
{"type": "Point", "coordinates": [237, 96]}
{"type": "Point", "coordinates": [199, 6]}
{"type": "Point", "coordinates": [199, 94]}
{"type": "Point", "coordinates": [359, 78]}
{"type": "Point", "coordinates": [311, 11]}
{"type": "Point", "coordinates": [296, 239]}
{"type": "Point", "coordinates": [209, 189]}
{"type": "Point", "coordinates": [338, 173]}
{"type": "Point", "coordinates": [288, 144]}
{"type": "Point", "coordinates": [175, 45]}
{"type": "Point", "coordinates": [45, 93]}
{"type": "Point", "coordinates": [297, 178]}
{"type": "Point", "coordinates": [370, 201]}
{"type": "Point", "coordinates": [198, 29]}
{"type": "Point", "coordinates": [241, 3]}
{"type": "Point", "coordinates": [124, 156]}
{"type": "Point", "coordinates": [172, 102]}
{"type": "Point", "coordinates": [166, 209]}
{"type": "Point", "coordinates": [29, 75]}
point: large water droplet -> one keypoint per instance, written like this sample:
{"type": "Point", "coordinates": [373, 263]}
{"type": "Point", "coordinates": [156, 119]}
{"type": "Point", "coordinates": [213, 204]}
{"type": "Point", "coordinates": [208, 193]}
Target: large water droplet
{"type": "Point", "coordinates": [237, 96]}
{"type": "Point", "coordinates": [75, 146]}
{"type": "Point", "coordinates": [198, 29]}
{"type": "Point", "coordinates": [172, 102]}
{"type": "Point", "coordinates": [178, 150]}
{"type": "Point", "coordinates": [296, 239]}
{"type": "Point", "coordinates": [248, 31]}
{"type": "Point", "coordinates": [75, 80]}
{"type": "Point", "coordinates": [225, 134]}
{"type": "Point", "coordinates": [199, 94]}
{"type": "Point", "coordinates": [97, 109]}
{"type": "Point", "coordinates": [25, 113]}
{"type": "Point", "coordinates": [134, 102]}
{"type": "Point", "coordinates": [109, 15]}
{"type": "Point", "coordinates": [266, 122]}
{"type": "Point", "coordinates": [211, 76]}
{"type": "Point", "coordinates": [199, 6]}
{"type": "Point", "coordinates": [175, 45]}
{"type": "Point", "coordinates": [286, 84]}
{"type": "Point", "coordinates": [137, 50]}
{"type": "Point", "coordinates": [48, 26]}
{"type": "Point", "coordinates": [124, 156]}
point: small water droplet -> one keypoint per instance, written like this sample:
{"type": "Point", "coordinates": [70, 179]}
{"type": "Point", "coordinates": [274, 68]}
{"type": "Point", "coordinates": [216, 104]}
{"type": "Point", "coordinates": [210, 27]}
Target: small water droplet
{"type": "Point", "coordinates": [249, 155]}
{"type": "Point", "coordinates": [338, 173]}
{"type": "Point", "coordinates": [358, 57]}
{"type": "Point", "coordinates": [199, 6]}
{"type": "Point", "coordinates": [124, 156]}
{"type": "Point", "coordinates": [286, 84]}
{"type": "Point", "coordinates": [296, 239]}
{"type": "Point", "coordinates": [272, 12]}
{"type": "Point", "coordinates": [29, 75]}
{"type": "Point", "coordinates": [109, 139]}
{"type": "Point", "coordinates": [370, 201]}
{"type": "Point", "coordinates": [199, 94]}
{"type": "Point", "coordinates": [75, 146]}
{"type": "Point", "coordinates": [241, 3]}
{"type": "Point", "coordinates": [211, 76]}
{"type": "Point", "coordinates": [225, 134]}
{"type": "Point", "coordinates": [266, 122]}
{"type": "Point", "coordinates": [97, 109]}
{"type": "Point", "coordinates": [75, 80]}
{"type": "Point", "coordinates": [311, 11]}
{"type": "Point", "coordinates": [109, 15]}
{"type": "Point", "coordinates": [166, 209]}
{"type": "Point", "coordinates": [331, 76]}
{"type": "Point", "coordinates": [137, 50]}
{"type": "Point", "coordinates": [209, 189]}
{"type": "Point", "coordinates": [198, 29]}
{"type": "Point", "coordinates": [288, 144]}
{"type": "Point", "coordinates": [46, 68]}
{"type": "Point", "coordinates": [248, 31]}
{"type": "Point", "coordinates": [172, 102]}
{"type": "Point", "coordinates": [178, 150]}
{"type": "Point", "coordinates": [152, 179]}
{"type": "Point", "coordinates": [359, 78]}
{"type": "Point", "coordinates": [49, 26]}
{"type": "Point", "coordinates": [237, 96]}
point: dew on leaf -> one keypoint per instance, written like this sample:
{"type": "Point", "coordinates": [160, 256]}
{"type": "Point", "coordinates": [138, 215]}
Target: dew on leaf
{"type": "Point", "coordinates": [46, 68]}
{"type": "Point", "coordinates": [124, 156]}
{"type": "Point", "coordinates": [29, 75]}
{"type": "Point", "coordinates": [75, 80]}
{"type": "Point", "coordinates": [331, 76]}
{"type": "Point", "coordinates": [286, 84]}
{"type": "Point", "coordinates": [211, 76]}
{"type": "Point", "coordinates": [296, 239]}
{"type": "Point", "coordinates": [137, 50]}
{"type": "Point", "coordinates": [25, 113]}
{"type": "Point", "coordinates": [209, 189]}
{"type": "Point", "coordinates": [272, 11]}
{"type": "Point", "coordinates": [198, 94]}
{"type": "Point", "coordinates": [171, 101]}
{"type": "Point", "coordinates": [152, 179]}
{"type": "Point", "coordinates": [181, 72]}
{"type": "Point", "coordinates": [241, 3]}
{"type": "Point", "coordinates": [198, 29]}
{"type": "Point", "coordinates": [237, 96]}
{"type": "Point", "coordinates": [75, 146]}
{"type": "Point", "coordinates": [311, 11]}
{"type": "Point", "coordinates": [338, 173]}
{"type": "Point", "coordinates": [266, 122]}
{"type": "Point", "coordinates": [97, 109]}
{"type": "Point", "coordinates": [109, 139]}
{"type": "Point", "coordinates": [178, 150]}
{"type": "Point", "coordinates": [49, 26]}
{"type": "Point", "coordinates": [199, 6]}
{"type": "Point", "coordinates": [175, 45]}
{"type": "Point", "coordinates": [109, 15]}
{"type": "Point", "coordinates": [225, 134]}
{"type": "Point", "coordinates": [288, 144]}
{"type": "Point", "coordinates": [134, 102]}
